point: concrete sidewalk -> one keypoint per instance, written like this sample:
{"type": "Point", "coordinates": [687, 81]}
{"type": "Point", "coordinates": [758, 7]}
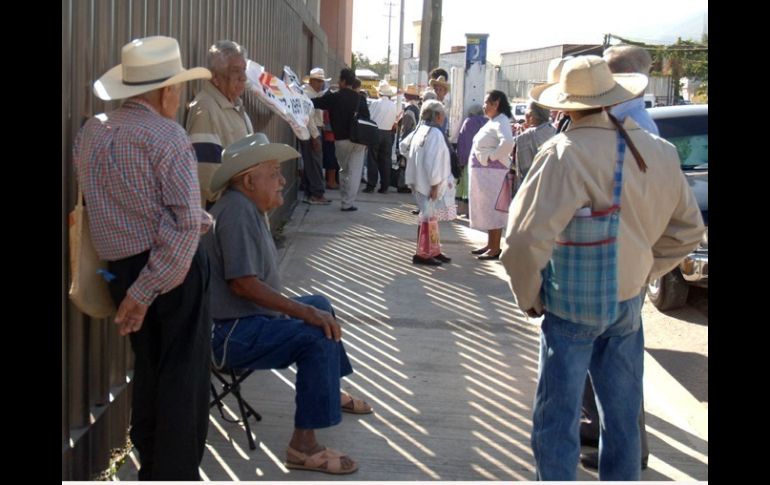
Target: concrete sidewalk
{"type": "Point", "coordinates": [443, 354]}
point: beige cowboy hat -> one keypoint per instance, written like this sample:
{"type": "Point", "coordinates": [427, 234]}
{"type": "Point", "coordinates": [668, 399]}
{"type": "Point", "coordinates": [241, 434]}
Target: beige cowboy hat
{"type": "Point", "coordinates": [246, 153]}
{"type": "Point", "coordinates": [555, 67]}
{"type": "Point", "coordinates": [411, 89]}
{"type": "Point", "coordinates": [316, 73]}
{"type": "Point", "coordinates": [439, 81]}
{"type": "Point", "coordinates": [586, 83]}
{"type": "Point", "coordinates": [145, 65]}
{"type": "Point", "coordinates": [385, 89]}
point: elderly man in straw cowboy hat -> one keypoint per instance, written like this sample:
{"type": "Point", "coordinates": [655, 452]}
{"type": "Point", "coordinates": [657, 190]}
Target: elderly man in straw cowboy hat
{"type": "Point", "coordinates": [136, 168]}
{"type": "Point", "coordinates": [255, 327]}
{"type": "Point", "coordinates": [383, 111]}
{"type": "Point", "coordinates": [604, 208]}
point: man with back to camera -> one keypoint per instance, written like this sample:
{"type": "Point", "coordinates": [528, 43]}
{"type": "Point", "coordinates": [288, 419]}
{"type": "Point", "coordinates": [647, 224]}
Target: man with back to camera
{"type": "Point", "coordinates": [587, 169]}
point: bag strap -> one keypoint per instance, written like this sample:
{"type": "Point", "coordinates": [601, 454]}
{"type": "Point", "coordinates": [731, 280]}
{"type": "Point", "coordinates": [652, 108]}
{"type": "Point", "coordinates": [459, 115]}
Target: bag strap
{"type": "Point", "coordinates": [639, 160]}
{"type": "Point", "coordinates": [79, 202]}
{"type": "Point", "coordinates": [621, 146]}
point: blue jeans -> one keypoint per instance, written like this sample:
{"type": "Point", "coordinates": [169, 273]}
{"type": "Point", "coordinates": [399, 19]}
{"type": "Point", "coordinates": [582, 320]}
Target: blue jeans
{"type": "Point", "coordinates": [261, 342]}
{"type": "Point", "coordinates": [614, 358]}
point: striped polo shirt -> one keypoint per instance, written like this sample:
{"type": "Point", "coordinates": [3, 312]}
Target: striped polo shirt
{"type": "Point", "coordinates": [213, 122]}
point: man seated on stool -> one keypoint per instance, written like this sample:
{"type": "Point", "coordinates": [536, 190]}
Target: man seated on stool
{"type": "Point", "coordinates": [255, 327]}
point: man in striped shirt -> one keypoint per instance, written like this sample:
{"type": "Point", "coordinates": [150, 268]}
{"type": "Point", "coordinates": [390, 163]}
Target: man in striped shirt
{"type": "Point", "coordinates": [137, 170]}
{"type": "Point", "coordinates": [217, 116]}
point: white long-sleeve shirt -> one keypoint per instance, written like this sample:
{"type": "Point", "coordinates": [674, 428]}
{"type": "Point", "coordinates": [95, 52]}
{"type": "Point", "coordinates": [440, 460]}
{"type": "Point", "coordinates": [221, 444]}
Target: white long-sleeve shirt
{"type": "Point", "coordinates": [383, 112]}
{"type": "Point", "coordinates": [494, 141]}
{"type": "Point", "coordinates": [427, 160]}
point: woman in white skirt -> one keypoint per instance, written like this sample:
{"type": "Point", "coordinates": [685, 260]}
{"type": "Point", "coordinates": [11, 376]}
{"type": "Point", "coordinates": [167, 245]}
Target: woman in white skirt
{"type": "Point", "coordinates": [488, 166]}
{"type": "Point", "coordinates": [429, 173]}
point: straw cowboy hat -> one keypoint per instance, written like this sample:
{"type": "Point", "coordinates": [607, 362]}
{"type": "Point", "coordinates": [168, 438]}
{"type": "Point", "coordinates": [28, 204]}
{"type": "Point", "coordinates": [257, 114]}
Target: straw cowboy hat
{"type": "Point", "coordinates": [316, 73]}
{"type": "Point", "coordinates": [411, 89]}
{"type": "Point", "coordinates": [145, 65]}
{"type": "Point", "coordinates": [555, 67]}
{"type": "Point", "coordinates": [586, 83]}
{"type": "Point", "coordinates": [247, 153]}
{"type": "Point", "coordinates": [385, 89]}
{"type": "Point", "coordinates": [439, 81]}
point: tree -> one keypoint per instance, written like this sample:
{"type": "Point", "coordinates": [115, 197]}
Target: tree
{"type": "Point", "coordinates": [684, 58]}
{"type": "Point", "coordinates": [360, 61]}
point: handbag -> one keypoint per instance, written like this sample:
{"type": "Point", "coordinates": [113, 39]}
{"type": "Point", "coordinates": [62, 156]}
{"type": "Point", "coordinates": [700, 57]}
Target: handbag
{"type": "Point", "coordinates": [580, 281]}
{"type": "Point", "coordinates": [428, 239]}
{"type": "Point", "coordinates": [88, 288]}
{"type": "Point", "coordinates": [506, 192]}
{"type": "Point", "coordinates": [363, 130]}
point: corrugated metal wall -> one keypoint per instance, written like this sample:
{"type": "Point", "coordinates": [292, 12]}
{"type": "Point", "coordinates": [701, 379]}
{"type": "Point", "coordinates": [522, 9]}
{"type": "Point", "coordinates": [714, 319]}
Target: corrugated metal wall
{"type": "Point", "coordinates": [96, 362]}
{"type": "Point", "coordinates": [525, 69]}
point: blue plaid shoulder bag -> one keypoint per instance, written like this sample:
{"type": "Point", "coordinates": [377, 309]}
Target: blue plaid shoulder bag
{"type": "Point", "coordinates": [580, 281]}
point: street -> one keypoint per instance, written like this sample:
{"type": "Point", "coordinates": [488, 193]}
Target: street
{"type": "Point", "coordinates": [678, 340]}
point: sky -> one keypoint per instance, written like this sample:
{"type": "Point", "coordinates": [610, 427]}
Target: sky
{"type": "Point", "coordinates": [515, 25]}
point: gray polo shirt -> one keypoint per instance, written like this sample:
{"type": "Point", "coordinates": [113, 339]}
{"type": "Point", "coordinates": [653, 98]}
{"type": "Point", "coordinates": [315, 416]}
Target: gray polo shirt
{"type": "Point", "coordinates": [239, 245]}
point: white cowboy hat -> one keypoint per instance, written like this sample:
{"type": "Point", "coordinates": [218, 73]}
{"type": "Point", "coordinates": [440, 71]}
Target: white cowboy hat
{"type": "Point", "coordinates": [441, 81]}
{"type": "Point", "coordinates": [385, 89]}
{"type": "Point", "coordinates": [246, 153]}
{"type": "Point", "coordinates": [586, 83]}
{"type": "Point", "coordinates": [145, 65]}
{"type": "Point", "coordinates": [316, 73]}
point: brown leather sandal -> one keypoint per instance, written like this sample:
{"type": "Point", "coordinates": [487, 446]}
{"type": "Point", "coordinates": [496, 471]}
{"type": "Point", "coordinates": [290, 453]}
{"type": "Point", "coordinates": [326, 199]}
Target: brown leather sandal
{"type": "Point", "coordinates": [359, 405]}
{"type": "Point", "coordinates": [326, 461]}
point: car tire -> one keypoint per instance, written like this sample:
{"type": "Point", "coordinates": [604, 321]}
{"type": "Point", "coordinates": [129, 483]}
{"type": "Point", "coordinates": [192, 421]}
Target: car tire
{"type": "Point", "coordinates": [669, 291]}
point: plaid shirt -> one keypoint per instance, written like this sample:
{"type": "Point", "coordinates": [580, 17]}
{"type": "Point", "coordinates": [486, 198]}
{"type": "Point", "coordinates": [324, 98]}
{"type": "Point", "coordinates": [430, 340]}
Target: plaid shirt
{"type": "Point", "coordinates": [137, 171]}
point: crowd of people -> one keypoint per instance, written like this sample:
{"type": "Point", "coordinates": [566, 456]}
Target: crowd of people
{"type": "Point", "coordinates": [180, 215]}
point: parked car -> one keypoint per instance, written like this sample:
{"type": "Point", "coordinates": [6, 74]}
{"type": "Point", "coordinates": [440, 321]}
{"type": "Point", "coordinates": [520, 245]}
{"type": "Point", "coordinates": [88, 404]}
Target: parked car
{"type": "Point", "coordinates": [518, 111]}
{"type": "Point", "coordinates": [686, 126]}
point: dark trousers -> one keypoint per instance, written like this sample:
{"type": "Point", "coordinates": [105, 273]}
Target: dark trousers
{"type": "Point", "coordinates": [379, 161]}
{"type": "Point", "coordinates": [169, 407]}
{"type": "Point", "coordinates": [312, 176]}
{"type": "Point", "coordinates": [589, 421]}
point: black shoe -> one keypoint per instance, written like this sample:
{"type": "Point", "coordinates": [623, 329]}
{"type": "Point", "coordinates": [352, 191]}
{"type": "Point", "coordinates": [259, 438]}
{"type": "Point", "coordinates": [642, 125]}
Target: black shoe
{"type": "Point", "coordinates": [416, 211]}
{"type": "Point", "coordinates": [480, 251]}
{"type": "Point", "coordinates": [404, 190]}
{"type": "Point", "coordinates": [427, 261]}
{"type": "Point", "coordinates": [382, 191]}
{"type": "Point", "coordinates": [590, 460]}
{"type": "Point", "coordinates": [368, 190]}
{"type": "Point", "coordinates": [487, 257]}
{"type": "Point", "coordinates": [443, 258]}
{"type": "Point", "coordinates": [349, 209]}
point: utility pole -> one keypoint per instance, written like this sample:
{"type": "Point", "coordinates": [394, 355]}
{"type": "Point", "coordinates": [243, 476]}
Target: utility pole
{"type": "Point", "coordinates": [435, 34]}
{"type": "Point", "coordinates": [390, 16]}
{"type": "Point", "coordinates": [430, 38]}
{"type": "Point", "coordinates": [400, 47]}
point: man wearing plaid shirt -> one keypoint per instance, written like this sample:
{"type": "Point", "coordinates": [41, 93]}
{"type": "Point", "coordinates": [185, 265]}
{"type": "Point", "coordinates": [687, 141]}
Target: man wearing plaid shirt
{"type": "Point", "coordinates": [660, 224]}
{"type": "Point", "coordinates": [137, 170]}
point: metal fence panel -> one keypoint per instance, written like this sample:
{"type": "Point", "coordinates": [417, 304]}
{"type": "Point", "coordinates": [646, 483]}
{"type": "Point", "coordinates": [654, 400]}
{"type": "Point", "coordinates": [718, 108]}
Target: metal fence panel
{"type": "Point", "coordinates": [97, 362]}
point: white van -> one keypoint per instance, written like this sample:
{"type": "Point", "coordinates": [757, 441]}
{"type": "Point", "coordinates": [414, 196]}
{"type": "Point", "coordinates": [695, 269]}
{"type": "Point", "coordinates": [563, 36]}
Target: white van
{"type": "Point", "coordinates": [650, 101]}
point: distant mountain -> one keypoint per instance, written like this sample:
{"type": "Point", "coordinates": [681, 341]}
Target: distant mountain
{"type": "Point", "coordinates": [690, 27]}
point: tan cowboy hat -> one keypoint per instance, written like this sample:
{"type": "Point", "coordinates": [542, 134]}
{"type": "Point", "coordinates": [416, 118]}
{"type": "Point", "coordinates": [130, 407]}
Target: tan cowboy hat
{"type": "Point", "coordinates": [586, 83]}
{"type": "Point", "coordinates": [440, 81]}
{"type": "Point", "coordinates": [411, 89]}
{"type": "Point", "coordinates": [385, 89]}
{"type": "Point", "coordinates": [246, 153]}
{"type": "Point", "coordinates": [555, 67]}
{"type": "Point", "coordinates": [145, 65]}
{"type": "Point", "coordinates": [316, 73]}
